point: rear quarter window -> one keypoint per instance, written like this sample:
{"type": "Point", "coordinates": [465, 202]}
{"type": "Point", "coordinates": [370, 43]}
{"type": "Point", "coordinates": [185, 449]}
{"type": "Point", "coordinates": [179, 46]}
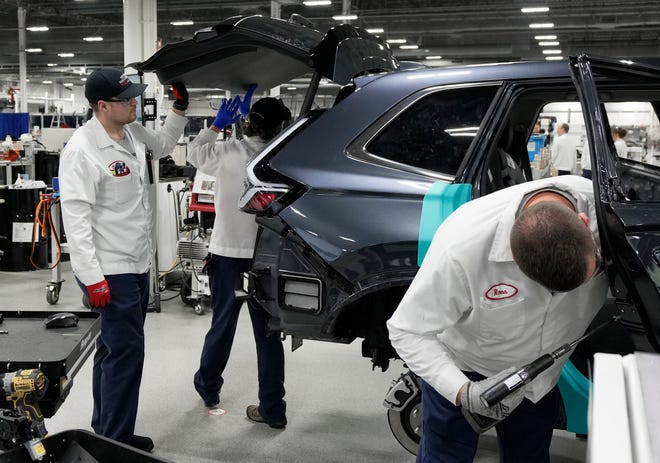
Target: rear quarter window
{"type": "Point", "coordinates": [435, 132]}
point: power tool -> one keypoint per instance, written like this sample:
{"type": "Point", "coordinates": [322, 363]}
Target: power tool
{"type": "Point", "coordinates": [23, 389]}
{"type": "Point", "coordinates": [524, 375]}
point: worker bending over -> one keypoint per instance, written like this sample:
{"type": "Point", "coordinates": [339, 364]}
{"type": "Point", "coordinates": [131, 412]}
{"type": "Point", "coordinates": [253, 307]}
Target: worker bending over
{"type": "Point", "coordinates": [508, 277]}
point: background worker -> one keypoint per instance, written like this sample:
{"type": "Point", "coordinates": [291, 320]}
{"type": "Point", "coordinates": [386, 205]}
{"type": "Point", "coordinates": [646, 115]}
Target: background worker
{"type": "Point", "coordinates": [104, 181]}
{"type": "Point", "coordinates": [564, 151]}
{"type": "Point", "coordinates": [585, 161]}
{"type": "Point", "coordinates": [618, 134]}
{"type": "Point", "coordinates": [508, 277]}
{"type": "Point", "coordinates": [231, 250]}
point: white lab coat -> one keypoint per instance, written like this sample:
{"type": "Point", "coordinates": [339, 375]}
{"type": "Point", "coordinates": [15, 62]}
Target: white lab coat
{"type": "Point", "coordinates": [471, 308]}
{"type": "Point", "coordinates": [234, 232]}
{"type": "Point", "coordinates": [105, 199]}
{"type": "Point", "coordinates": [585, 160]}
{"type": "Point", "coordinates": [621, 148]}
{"type": "Point", "coordinates": [564, 153]}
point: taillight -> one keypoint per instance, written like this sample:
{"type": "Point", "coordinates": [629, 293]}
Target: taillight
{"type": "Point", "coordinates": [261, 201]}
{"type": "Point", "coordinates": [258, 199]}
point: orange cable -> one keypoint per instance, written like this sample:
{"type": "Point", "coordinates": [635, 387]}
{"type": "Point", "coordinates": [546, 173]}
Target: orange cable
{"type": "Point", "coordinates": [45, 222]}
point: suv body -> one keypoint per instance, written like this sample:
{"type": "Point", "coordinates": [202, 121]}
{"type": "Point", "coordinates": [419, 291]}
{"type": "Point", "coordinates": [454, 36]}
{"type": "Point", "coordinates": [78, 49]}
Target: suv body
{"type": "Point", "coordinates": [341, 193]}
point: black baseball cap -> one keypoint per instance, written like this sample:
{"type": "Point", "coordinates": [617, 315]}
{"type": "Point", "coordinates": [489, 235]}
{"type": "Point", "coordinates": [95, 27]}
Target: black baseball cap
{"type": "Point", "coordinates": [271, 111]}
{"type": "Point", "coordinates": [107, 83]}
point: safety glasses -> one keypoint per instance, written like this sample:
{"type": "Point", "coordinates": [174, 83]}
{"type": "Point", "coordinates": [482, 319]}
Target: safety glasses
{"type": "Point", "coordinates": [124, 101]}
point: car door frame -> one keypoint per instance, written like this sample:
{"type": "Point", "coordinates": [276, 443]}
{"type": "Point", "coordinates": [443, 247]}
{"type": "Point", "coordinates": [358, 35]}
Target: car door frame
{"type": "Point", "coordinates": [625, 239]}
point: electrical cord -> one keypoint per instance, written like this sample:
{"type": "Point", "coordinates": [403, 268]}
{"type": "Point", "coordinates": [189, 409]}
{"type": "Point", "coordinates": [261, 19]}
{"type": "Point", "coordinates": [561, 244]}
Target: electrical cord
{"type": "Point", "coordinates": [44, 220]}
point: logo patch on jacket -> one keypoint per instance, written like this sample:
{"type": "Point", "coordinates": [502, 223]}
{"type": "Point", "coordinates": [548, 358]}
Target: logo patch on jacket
{"type": "Point", "coordinates": [501, 291]}
{"type": "Point", "coordinates": [119, 169]}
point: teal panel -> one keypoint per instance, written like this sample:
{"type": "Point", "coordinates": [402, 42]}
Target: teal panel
{"type": "Point", "coordinates": [574, 389]}
{"type": "Point", "coordinates": [441, 200]}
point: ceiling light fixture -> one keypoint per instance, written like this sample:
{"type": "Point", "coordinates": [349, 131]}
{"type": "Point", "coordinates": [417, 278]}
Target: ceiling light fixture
{"type": "Point", "coordinates": [33, 50]}
{"type": "Point", "coordinates": [345, 17]}
{"type": "Point", "coordinates": [376, 30]}
{"type": "Point", "coordinates": [541, 25]}
{"type": "Point", "coordinates": [93, 39]}
{"type": "Point", "coordinates": [83, 79]}
{"type": "Point", "coordinates": [50, 65]}
{"type": "Point", "coordinates": [396, 40]}
{"type": "Point", "coordinates": [434, 57]}
{"type": "Point", "coordinates": [317, 2]}
{"type": "Point", "coordinates": [408, 47]}
{"type": "Point", "coordinates": [188, 22]}
{"type": "Point", "coordinates": [554, 58]}
{"type": "Point", "coordinates": [47, 82]}
{"type": "Point", "coordinates": [535, 9]}
{"type": "Point", "coordinates": [37, 28]}
{"type": "Point", "coordinates": [66, 55]}
{"type": "Point", "coordinates": [551, 52]}
{"type": "Point", "coordinates": [545, 37]}
{"type": "Point", "coordinates": [68, 84]}
{"type": "Point", "coordinates": [549, 44]}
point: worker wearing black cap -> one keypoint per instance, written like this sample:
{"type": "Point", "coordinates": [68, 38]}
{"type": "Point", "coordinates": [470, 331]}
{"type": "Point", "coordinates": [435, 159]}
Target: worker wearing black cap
{"type": "Point", "coordinates": [105, 173]}
{"type": "Point", "coordinates": [232, 248]}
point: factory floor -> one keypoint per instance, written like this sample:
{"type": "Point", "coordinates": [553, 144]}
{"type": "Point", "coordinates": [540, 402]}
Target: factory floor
{"type": "Point", "coordinates": [334, 399]}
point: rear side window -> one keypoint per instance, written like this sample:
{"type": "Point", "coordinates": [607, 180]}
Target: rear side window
{"type": "Point", "coordinates": [436, 131]}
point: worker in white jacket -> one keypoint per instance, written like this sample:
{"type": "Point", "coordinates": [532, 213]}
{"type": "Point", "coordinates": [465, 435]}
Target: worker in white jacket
{"type": "Point", "coordinates": [231, 250]}
{"type": "Point", "coordinates": [508, 277]}
{"type": "Point", "coordinates": [105, 172]}
{"type": "Point", "coordinates": [564, 151]}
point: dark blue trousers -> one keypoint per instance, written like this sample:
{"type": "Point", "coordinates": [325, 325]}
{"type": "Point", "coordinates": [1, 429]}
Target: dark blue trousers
{"type": "Point", "coordinates": [224, 275]}
{"type": "Point", "coordinates": [119, 356]}
{"type": "Point", "coordinates": [522, 438]}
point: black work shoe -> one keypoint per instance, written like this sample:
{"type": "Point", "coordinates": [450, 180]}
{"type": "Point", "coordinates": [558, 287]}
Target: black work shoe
{"type": "Point", "coordinates": [143, 443]}
{"type": "Point", "coordinates": [254, 415]}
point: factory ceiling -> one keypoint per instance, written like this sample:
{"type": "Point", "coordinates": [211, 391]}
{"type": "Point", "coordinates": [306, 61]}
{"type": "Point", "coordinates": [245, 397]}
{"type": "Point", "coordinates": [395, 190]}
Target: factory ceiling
{"type": "Point", "coordinates": [471, 31]}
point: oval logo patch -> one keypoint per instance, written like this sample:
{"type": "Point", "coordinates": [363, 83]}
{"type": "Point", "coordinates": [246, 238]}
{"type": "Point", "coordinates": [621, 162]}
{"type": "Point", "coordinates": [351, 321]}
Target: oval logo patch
{"type": "Point", "coordinates": [501, 291]}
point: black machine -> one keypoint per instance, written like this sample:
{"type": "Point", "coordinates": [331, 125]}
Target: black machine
{"type": "Point", "coordinates": [37, 366]}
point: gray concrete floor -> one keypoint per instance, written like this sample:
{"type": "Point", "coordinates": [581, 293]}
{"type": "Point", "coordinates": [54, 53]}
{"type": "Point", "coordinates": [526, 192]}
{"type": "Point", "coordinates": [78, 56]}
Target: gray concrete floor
{"type": "Point", "coordinates": [334, 399]}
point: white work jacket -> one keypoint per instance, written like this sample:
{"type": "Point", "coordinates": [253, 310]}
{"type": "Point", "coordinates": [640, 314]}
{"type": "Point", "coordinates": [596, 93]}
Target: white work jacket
{"type": "Point", "coordinates": [470, 307]}
{"type": "Point", "coordinates": [105, 197]}
{"type": "Point", "coordinates": [564, 153]}
{"type": "Point", "coordinates": [234, 232]}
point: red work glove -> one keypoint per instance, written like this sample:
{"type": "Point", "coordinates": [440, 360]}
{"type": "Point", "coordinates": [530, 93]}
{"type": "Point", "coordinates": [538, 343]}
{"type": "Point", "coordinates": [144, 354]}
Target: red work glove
{"type": "Point", "coordinates": [99, 294]}
{"type": "Point", "coordinates": [180, 96]}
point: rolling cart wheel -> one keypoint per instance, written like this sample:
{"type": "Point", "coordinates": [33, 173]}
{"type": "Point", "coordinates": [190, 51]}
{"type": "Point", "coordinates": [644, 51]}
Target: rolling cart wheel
{"type": "Point", "coordinates": [199, 308]}
{"type": "Point", "coordinates": [53, 293]}
{"type": "Point", "coordinates": [162, 284]}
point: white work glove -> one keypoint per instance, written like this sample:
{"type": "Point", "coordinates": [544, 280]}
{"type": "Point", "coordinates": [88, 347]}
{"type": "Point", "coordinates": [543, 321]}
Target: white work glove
{"type": "Point", "coordinates": [471, 397]}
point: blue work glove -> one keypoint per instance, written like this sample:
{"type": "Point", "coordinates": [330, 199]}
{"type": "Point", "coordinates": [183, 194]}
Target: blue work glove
{"type": "Point", "coordinates": [228, 113]}
{"type": "Point", "coordinates": [244, 107]}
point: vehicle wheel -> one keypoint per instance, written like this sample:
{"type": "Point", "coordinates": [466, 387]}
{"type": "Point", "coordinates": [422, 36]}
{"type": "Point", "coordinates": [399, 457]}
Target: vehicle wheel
{"type": "Point", "coordinates": [406, 425]}
{"type": "Point", "coordinates": [185, 290]}
{"type": "Point", "coordinates": [53, 294]}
